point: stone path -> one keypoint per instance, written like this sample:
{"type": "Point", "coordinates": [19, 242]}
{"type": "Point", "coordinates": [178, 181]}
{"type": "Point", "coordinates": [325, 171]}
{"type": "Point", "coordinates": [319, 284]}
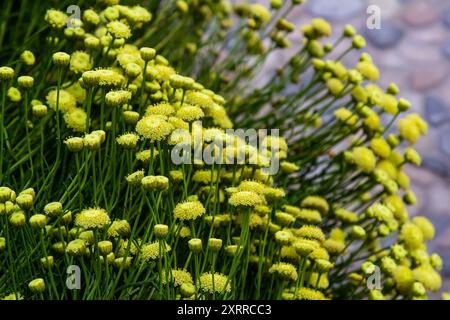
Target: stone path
{"type": "Point", "coordinates": [412, 49]}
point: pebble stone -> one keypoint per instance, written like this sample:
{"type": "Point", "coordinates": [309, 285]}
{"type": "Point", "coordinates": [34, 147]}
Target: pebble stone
{"type": "Point", "coordinates": [387, 37]}
{"type": "Point", "coordinates": [446, 48]}
{"type": "Point", "coordinates": [420, 14]}
{"type": "Point", "coordinates": [446, 18]}
{"type": "Point", "coordinates": [444, 141]}
{"type": "Point", "coordinates": [437, 111]}
{"type": "Point", "coordinates": [427, 78]}
{"type": "Point", "coordinates": [436, 165]}
{"type": "Point", "coordinates": [336, 10]}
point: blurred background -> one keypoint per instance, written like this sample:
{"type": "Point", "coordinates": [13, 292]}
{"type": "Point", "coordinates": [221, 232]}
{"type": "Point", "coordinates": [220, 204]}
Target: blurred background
{"type": "Point", "coordinates": [412, 49]}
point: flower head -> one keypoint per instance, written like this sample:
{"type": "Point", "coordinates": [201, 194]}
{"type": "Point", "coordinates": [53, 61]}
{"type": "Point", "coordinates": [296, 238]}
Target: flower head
{"type": "Point", "coordinates": [93, 218]}
{"type": "Point", "coordinates": [80, 62]}
{"type": "Point", "coordinates": [152, 251]}
{"type": "Point", "coordinates": [119, 29]}
{"type": "Point", "coordinates": [64, 103]}
{"type": "Point", "coordinates": [245, 199]}
{"type": "Point", "coordinates": [189, 210]}
{"type": "Point", "coordinates": [153, 127]}
{"type": "Point", "coordinates": [285, 271]}
{"type": "Point", "coordinates": [57, 19]}
{"type": "Point", "coordinates": [76, 119]}
{"type": "Point", "coordinates": [214, 283]}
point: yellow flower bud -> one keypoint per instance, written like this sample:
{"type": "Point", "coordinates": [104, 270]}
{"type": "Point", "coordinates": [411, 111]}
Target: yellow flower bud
{"type": "Point", "coordinates": [61, 59]}
{"type": "Point", "coordinates": [37, 285]}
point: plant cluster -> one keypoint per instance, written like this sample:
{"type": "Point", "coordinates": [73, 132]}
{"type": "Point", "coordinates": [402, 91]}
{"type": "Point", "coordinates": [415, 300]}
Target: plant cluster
{"type": "Point", "coordinates": [92, 115]}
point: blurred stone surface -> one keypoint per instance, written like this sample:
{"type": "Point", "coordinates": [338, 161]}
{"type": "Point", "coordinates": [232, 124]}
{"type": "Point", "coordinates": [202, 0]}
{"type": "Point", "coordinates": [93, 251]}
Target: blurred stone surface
{"type": "Point", "coordinates": [439, 200]}
{"type": "Point", "coordinates": [436, 165]}
{"type": "Point", "coordinates": [420, 176]}
{"type": "Point", "coordinates": [431, 35]}
{"type": "Point", "coordinates": [446, 48]}
{"type": "Point", "coordinates": [387, 37]}
{"type": "Point", "coordinates": [436, 110]}
{"type": "Point", "coordinates": [444, 141]}
{"type": "Point", "coordinates": [427, 78]}
{"type": "Point", "coordinates": [446, 17]}
{"type": "Point", "coordinates": [336, 10]}
{"type": "Point", "coordinates": [420, 13]}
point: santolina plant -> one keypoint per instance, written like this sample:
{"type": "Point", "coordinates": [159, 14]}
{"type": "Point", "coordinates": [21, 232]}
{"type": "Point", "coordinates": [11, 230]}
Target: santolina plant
{"type": "Point", "coordinates": [104, 195]}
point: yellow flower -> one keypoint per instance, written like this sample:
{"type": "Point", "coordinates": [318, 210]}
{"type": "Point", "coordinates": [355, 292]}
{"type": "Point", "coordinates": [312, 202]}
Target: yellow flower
{"type": "Point", "coordinates": [368, 70]}
{"type": "Point", "coordinates": [80, 62]}
{"type": "Point", "coordinates": [283, 218]}
{"type": "Point", "coordinates": [346, 215]}
{"type": "Point", "coordinates": [389, 104]}
{"type": "Point", "coordinates": [76, 119]}
{"type": "Point", "coordinates": [144, 155]}
{"type": "Point", "coordinates": [425, 226]}
{"type": "Point", "coordinates": [396, 205]}
{"type": "Point", "coordinates": [190, 113]}
{"type": "Point", "coordinates": [217, 283]}
{"type": "Point", "coordinates": [117, 98]}
{"type": "Point", "coordinates": [408, 130]}
{"type": "Point", "coordinates": [164, 109]}
{"type": "Point", "coordinates": [178, 277]}
{"type": "Point", "coordinates": [404, 279]}
{"type": "Point", "coordinates": [153, 127]}
{"type": "Point", "coordinates": [189, 210]}
{"type": "Point", "coordinates": [285, 271]}
{"type": "Point", "coordinates": [346, 116]}
{"type": "Point", "coordinates": [205, 176]}
{"type": "Point", "coordinates": [56, 18]}
{"type": "Point", "coordinates": [27, 57]}
{"type": "Point", "coordinates": [388, 168]}
{"type": "Point", "coordinates": [67, 101]}
{"type": "Point", "coordinates": [260, 13]}
{"type": "Point", "coordinates": [380, 147]}
{"type": "Point", "coordinates": [14, 94]}
{"type": "Point", "coordinates": [376, 295]}
{"type": "Point", "coordinates": [128, 140]}
{"type": "Point", "coordinates": [119, 228]}
{"type": "Point", "coordinates": [6, 73]}
{"type": "Point", "coordinates": [94, 218]}
{"type": "Point", "coordinates": [77, 91]}
{"type": "Point", "coordinates": [119, 29]}
{"type": "Point", "coordinates": [317, 203]}
{"type": "Point", "coordinates": [426, 275]}
{"type": "Point", "coordinates": [364, 158]}
{"type": "Point", "coordinates": [151, 251]}
{"type": "Point", "coordinates": [155, 183]}
{"type": "Point", "coordinates": [321, 26]}
{"type": "Point", "coordinates": [310, 232]}
{"type": "Point", "coordinates": [309, 294]}
{"type": "Point", "coordinates": [136, 15]}
{"type": "Point", "coordinates": [37, 285]}
{"type": "Point", "coordinates": [289, 167]}
{"type": "Point", "coordinates": [199, 99]}
{"type": "Point", "coordinates": [412, 156]}
{"type": "Point", "coordinates": [335, 86]}
{"type": "Point", "coordinates": [319, 253]}
{"type": "Point", "coordinates": [421, 124]}
{"type": "Point", "coordinates": [412, 235]}
{"type": "Point", "coordinates": [309, 216]}
{"type": "Point", "coordinates": [337, 234]}
{"type": "Point", "coordinates": [104, 78]}
{"type": "Point", "coordinates": [245, 199]}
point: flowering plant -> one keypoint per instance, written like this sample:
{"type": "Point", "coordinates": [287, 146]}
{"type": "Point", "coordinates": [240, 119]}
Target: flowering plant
{"type": "Point", "coordinates": [101, 121]}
